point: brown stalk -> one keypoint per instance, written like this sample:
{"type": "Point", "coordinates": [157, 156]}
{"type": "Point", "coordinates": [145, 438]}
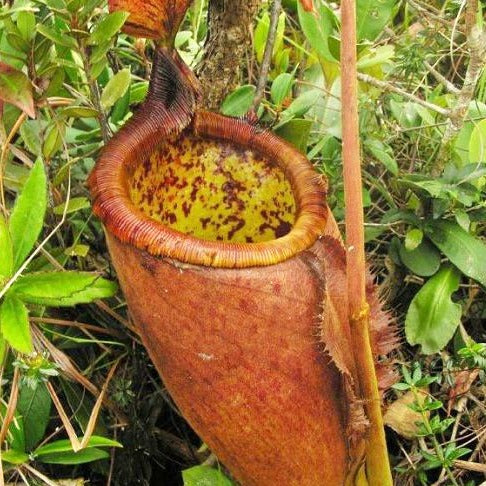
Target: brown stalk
{"type": "Point", "coordinates": [377, 465]}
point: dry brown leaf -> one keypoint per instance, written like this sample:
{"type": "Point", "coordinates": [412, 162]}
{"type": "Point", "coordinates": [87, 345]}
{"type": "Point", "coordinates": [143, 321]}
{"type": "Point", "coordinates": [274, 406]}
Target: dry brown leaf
{"type": "Point", "coordinates": [401, 418]}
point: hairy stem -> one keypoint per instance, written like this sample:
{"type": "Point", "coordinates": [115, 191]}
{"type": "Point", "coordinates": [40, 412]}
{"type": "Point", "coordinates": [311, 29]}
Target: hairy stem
{"type": "Point", "coordinates": [377, 465]}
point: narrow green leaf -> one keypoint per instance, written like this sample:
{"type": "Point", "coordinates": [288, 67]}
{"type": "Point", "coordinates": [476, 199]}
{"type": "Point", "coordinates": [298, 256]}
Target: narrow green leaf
{"type": "Point", "coordinates": [115, 88]}
{"type": "Point", "coordinates": [6, 252]}
{"type": "Point", "coordinates": [372, 17]}
{"type": "Point", "coordinates": [15, 457]}
{"type": "Point", "coordinates": [108, 27]}
{"type": "Point", "coordinates": [464, 250]}
{"type": "Point", "coordinates": [79, 112]}
{"type": "Point", "coordinates": [30, 133]}
{"type": "Point", "coordinates": [239, 101]}
{"type": "Point", "coordinates": [74, 204]}
{"type": "Point", "coordinates": [63, 288]}
{"type": "Point", "coordinates": [72, 458]}
{"type": "Point", "coordinates": [383, 153]}
{"type": "Point", "coordinates": [281, 87]}
{"type": "Point", "coordinates": [28, 214]}
{"type": "Point", "coordinates": [432, 317]}
{"type": "Point", "coordinates": [35, 406]}
{"type": "Point", "coordinates": [204, 476]}
{"type": "Point", "coordinates": [64, 445]}
{"type": "Point", "coordinates": [15, 88]}
{"type": "Point", "coordinates": [14, 323]}
{"type": "Point", "coordinates": [26, 24]}
{"type": "Point", "coordinates": [63, 39]}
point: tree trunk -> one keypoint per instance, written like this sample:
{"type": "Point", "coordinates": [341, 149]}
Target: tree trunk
{"type": "Point", "coordinates": [230, 28]}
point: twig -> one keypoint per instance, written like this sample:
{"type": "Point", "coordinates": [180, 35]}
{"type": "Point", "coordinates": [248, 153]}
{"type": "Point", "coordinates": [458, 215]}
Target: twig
{"type": "Point", "coordinates": [447, 84]}
{"type": "Point", "coordinates": [377, 463]}
{"type": "Point", "coordinates": [476, 43]}
{"type": "Point", "coordinates": [267, 56]}
{"type": "Point", "coordinates": [383, 85]}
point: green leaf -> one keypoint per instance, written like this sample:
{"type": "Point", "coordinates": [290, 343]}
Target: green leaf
{"type": "Point", "coordinates": [115, 88]}
{"type": "Point", "coordinates": [204, 476]}
{"type": "Point", "coordinates": [413, 238]}
{"type": "Point", "coordinates": [53, 140]}
{"type": "Point", "coordinates": [26, 25]}
{"type": "Point", "coordinates": [477, 143]}
{"type": "Point", "coordinates": [35, 406]}
{"type": "Point", "coordinates": [281, 87]}
{"type": "Point", "coordinates": [15, 88]}
{"type": "Point", "coordinates": [383, 153]}
{"type": "Point", "coordinates": [64, 445]}
{"type": "Point", "coordinates": [423, 260]}
{"type": "Point", "coordinates": [63, 39]}
{"type": "Point", "coordinates": [6, 252]}
{"type": "Point", "coordinates": [464, 250]}
{"type": "Point", "coordinates": [372, 17]}
{"type": "Point", "coordinates": [239, 101]}
{"type": "Point", "coordinates": [63, 288]}
{"type": "Point", "coordinates": [28, 214]}
{"type": "Point", "coordinates": [30, 132]}
{"type": "Point", "coordinates": [296, 132]}
{"type": "Point", "coordinates": [15, 457]}
{"type": "Point", "coordinates": [72, 458]}
{"type": "Point", "coordinates": [301, 105]}
{"type": "Point", "coordinates": [317, 27]}
{"type": "Point", "coordinates": [79, 112]}
{"type": "Point", "coordinates": [108, 27]}
{"type": "Point", "coordinates": [14, 323]}
{"type": "Point", "coordinates": [74, 204]}
{"type": "Point", "coordinates": [432, 317]}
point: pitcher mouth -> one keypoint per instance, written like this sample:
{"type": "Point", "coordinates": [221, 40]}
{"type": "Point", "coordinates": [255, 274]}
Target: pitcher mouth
{"type": "Point", "coordinates": [297, 211]}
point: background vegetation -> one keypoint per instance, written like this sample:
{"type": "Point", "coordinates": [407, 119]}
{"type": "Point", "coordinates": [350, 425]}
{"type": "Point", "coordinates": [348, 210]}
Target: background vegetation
{"type": "Point", "coordinates": [69, 80]}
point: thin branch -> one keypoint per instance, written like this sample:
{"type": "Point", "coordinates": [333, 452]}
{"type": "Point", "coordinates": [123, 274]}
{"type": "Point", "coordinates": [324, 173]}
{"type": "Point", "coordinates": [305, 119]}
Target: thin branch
{"type": "Point", "coordinates": [385, 86]}
{"type": "Point", "coordinates": [267, 56]}
{"type": "Point", "coordinates": [447, 84]}
{"type": "Point", "coordinates": [476, 44]}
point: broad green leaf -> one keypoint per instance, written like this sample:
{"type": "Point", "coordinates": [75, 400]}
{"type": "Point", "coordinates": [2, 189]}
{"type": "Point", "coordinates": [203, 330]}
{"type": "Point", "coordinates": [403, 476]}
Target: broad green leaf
{"type": "Point", "coordinates": [14, 323]}
{"type": "Point", "coordinates": [108, 27]}
{"type": "Point", "coordinates": [239, 101]}
{"type": "Point", "coordinates": [372, 17]}
{"type": "Point", "coordinates": [115, 88]}
{"type": "Point", "coordinates": [72, 458]}
{"type": "Point", "coordinates": [64, 445]}
{"type": "Point", "coordinates": [423, 260]}
{"type": "Point", "coordinates": [26, 24]}
{"type": "Point", "coordinates": [74, 204]}
{"type": "Point", "coordinates": [138, 92]}
{"type": "Point", "coordinates": [296, 132]}
{"type": "Point", "coordinates": [317, 27]}
{"type": "Point", "coordinates": [413, 238]}
{"type": "Point", "coordinates": [375, 56]}
{"type": "Point", "coordinates": [281, 87]}
{"type": "Point", "coordinates": [28, 214]}
{"type": "Point", "coordinates": [432, 317]}
{"type": "Point", "coordinates": [63, 288]}
{"type": "Point", "coordinates": [204, 476]}
{"type": "Point", "coordinates": [63, 39]}
{"type": "Point", "coordinates": [260, 36]}
{"type": "Point", "coordinates": [15, 88]}
{"type": "Point", "coordinates": [35, 406]}
{"type": "Point", "coordinates": [15, 457]}
{"type": "Point", "coordinates": [465, 251]}
{"type": "Point", "coordinates": [477, 143]}
{"type": "Point", "coordinates": [6, 252]}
